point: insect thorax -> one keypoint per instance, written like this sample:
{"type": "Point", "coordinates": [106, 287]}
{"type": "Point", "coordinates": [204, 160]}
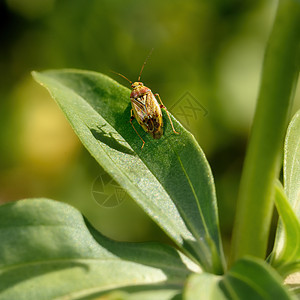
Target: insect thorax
{"type": "Point", "coordinates": [139, 91]}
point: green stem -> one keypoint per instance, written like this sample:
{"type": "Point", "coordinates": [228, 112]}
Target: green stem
{"type": "Point", "coordinates": [262, 163]}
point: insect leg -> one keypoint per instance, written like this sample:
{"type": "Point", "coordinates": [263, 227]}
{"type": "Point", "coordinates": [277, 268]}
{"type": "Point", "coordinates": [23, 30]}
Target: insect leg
{"type": "Point", "coordinates": [131, 118]}
{"type": "Point", "coordinates": [162, 106]}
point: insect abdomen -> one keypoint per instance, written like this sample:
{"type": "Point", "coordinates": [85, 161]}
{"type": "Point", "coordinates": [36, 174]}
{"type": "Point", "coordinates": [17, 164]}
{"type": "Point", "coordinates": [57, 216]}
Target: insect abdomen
{"type": "Point", "coordinates": [154, 126]}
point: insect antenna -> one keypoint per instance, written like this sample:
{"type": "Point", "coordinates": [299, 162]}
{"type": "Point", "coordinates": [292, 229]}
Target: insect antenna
{"type": "Point", "coordinates": [121, 76]}
{"type": "Point", "coordinates": [145, 63]}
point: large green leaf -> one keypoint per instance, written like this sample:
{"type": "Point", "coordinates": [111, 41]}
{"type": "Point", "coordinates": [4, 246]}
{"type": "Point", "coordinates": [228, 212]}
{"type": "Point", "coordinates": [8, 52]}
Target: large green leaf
{"type": "Point", "coordinates": [169, 178]}
{"type": "Point", "coordinates": [249, 278]}
{"type": "Point", "coordinates": [47, 252]}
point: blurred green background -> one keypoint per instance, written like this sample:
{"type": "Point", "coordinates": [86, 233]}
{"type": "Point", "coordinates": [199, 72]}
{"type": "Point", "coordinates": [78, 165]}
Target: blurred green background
{"type": "Point", "coordinates": [207, 54]}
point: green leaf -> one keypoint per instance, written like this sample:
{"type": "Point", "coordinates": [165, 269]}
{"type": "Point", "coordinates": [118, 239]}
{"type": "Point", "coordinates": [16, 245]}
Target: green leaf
{"type": "Point", "coordinates": [252, 278]}
{"type": "Point", "coordinates": [204, 286]}
{"type": "Point", "coordinates": [169, 178]}
{"type": "Point", "coordinates": [249, 278]}
{"type": "Point", "coordinates": [292, 164]}
{"type": "Point", "coordinates": [47, 252]}
{"type": "Point", "coordinates": [286, 254]}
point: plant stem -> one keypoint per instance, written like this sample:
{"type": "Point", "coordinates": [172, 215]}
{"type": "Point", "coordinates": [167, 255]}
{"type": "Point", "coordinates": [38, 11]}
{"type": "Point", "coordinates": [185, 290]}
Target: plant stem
{"type": "Point", "coordinates": [262, 163]}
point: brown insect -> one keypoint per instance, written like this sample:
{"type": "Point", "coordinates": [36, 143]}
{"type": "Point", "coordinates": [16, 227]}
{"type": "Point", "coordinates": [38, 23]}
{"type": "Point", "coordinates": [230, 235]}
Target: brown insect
{"type": "Point", "coordinates": [145, 108]}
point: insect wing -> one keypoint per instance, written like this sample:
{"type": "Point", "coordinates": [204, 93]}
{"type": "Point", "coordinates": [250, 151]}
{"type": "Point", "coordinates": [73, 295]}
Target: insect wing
{"type": "Point", "coordinates": [139, 108]}
{"type": "Point", "coordinates": [152, 106]}
{"type": "Point", "coordinates": [154, 122]}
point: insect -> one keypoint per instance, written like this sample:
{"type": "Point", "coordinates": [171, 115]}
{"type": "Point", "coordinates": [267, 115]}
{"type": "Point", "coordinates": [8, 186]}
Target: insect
{"type": "Point", "coordinates": [145, 108]}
